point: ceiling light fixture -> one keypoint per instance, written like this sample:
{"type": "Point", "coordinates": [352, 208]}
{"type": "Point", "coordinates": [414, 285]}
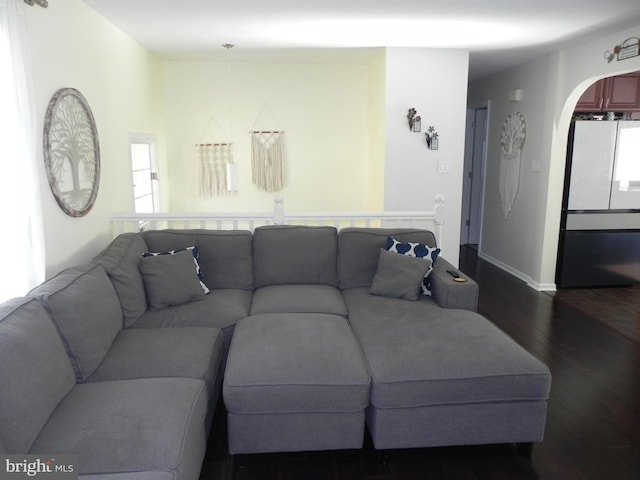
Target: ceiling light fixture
{"type": "Point", "coordinates": [229, 46]}
{"type": "Point", "coordinates": [395, 32]}
{"type": "Point", "coordinates": [232, 167]}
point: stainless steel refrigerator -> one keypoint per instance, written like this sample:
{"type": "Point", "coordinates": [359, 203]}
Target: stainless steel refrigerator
{"type": "Point", "coordinates": [599, 241]}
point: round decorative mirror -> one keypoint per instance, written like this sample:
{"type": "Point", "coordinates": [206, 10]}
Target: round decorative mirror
{"type": "Point", "coordinates": [71, 152]}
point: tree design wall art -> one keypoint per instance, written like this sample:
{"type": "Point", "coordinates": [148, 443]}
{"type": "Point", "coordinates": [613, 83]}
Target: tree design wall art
{"type": "Point", "coordinates": [71, 152]}
{"type": "Point", "coordinates": [511, 142]}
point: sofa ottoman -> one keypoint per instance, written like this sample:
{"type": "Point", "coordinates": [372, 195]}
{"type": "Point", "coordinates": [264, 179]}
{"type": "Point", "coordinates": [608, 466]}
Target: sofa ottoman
{"type": "Point", "coordinates": [295, 382]}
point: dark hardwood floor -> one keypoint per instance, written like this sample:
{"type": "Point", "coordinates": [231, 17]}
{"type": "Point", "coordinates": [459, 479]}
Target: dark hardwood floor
{"type": "Point", "coordinates": [590, 338]}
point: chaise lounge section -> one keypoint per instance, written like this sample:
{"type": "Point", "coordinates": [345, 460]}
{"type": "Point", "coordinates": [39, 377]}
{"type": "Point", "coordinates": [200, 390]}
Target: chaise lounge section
{"type": "Point", "coordinates": [440, 376]}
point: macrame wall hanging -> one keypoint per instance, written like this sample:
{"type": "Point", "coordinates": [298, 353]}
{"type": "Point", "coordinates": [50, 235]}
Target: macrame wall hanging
{"type": "Point", "coordinates": [267, 160]}
{"type": "Point", "coordinates": [267, 157]}
{"type": "Point", "coordinates": [217, 172]}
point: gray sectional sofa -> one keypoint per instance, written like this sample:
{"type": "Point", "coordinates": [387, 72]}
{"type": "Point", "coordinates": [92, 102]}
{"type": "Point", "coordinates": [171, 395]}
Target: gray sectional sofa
{"type": "Point", "coordinates": [311, 335]}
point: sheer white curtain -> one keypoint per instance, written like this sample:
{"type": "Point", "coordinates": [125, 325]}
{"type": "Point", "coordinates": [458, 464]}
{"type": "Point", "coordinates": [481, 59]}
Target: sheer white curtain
{"type": "Point", "coordinates": [21, 232]}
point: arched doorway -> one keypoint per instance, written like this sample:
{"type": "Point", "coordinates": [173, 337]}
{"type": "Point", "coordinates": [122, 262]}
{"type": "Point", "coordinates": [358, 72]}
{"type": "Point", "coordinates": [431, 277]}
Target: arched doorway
{"type": "Point", "coordinates": [599, 236]}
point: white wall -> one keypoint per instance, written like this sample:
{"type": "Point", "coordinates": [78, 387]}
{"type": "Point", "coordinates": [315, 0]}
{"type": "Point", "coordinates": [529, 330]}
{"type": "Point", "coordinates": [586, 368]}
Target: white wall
{"type": "Point", "coordinates": [74, 47]}
{"type": "Point", "coordinates": [323, 108]}
{"type": "Point", "coordinates": [526, 242]}
{"type": "Point", "coordinates": [512, 240]}
{"type": "Point", "coordinates": [434, 82]}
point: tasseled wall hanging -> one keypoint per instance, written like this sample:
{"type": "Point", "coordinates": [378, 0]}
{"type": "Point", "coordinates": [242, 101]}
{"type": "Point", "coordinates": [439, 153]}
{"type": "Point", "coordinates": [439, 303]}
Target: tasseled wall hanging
{"type": "Point", "coordinates": [217, 174]}
{"type": "Point", "coordinates": [267, 160]}
{"type": "Point", "coordinates": [267, 155]}
{"type": "Point", "coordinates": [213, 162]}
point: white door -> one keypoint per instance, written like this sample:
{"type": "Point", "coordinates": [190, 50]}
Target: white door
{"type": "Point", "coordinates": [146, 198]}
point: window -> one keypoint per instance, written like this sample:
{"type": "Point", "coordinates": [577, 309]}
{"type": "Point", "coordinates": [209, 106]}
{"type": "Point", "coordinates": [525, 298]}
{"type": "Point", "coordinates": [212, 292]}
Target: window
{"type": "Point", "coordinates": [144, 170]}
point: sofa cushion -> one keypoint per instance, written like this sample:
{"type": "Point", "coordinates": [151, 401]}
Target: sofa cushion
{"type": "Point", "coordinates": [121, 259]}
{"type": "Point", "coordinates": [360, 248]}
{"type": "Point", "coordinates": [35, 372]}
{"type": "Point", "coordinates": [225, 255]}
{"type": "Point", "coordinates": [298, 299]}
{"type": "Point", "coordinates": [399, 276]}
{"type": "Point", "coordinates": [220, 309]}
{"type": "Point", "coordinates": [86, 311]}
{"type": "Point", "coordinates": [195, 253]}
{"type": "Point", "coordinates": [131, 426]}
{"type": "Point", "coordinates": [188, 352]}
{"type": "Point", "coordinates": [294, 254]}
{"type": "Point", "coordinates": [418, 250]}
{"type": "Point", "coordinates": [448, 356]}
{"type": "Point", "coordinates": [171, 278]}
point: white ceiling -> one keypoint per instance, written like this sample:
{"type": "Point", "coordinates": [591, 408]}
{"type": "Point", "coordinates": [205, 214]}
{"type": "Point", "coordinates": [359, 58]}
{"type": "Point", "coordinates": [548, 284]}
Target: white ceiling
{"type": "Point", "coordinates": [498, 33]}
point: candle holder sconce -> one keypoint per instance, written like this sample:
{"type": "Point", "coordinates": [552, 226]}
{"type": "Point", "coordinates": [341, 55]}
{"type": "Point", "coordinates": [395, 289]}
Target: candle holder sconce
{"type": "Point", "coordinates": [432, 138]}
{"type": "Point", "coordinates": [415, 122]}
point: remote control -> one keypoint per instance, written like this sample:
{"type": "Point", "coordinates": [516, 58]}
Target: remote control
{"type": "Point", "coordinates": [456, 276]}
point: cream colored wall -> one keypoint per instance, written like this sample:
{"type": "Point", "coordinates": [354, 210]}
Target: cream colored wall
{"type": "Point", "coordinates": [377, 120]}
{"type": "Point", "coordinates": [323, 108]}
{"type": "Point", "coordinates": [74, 47]}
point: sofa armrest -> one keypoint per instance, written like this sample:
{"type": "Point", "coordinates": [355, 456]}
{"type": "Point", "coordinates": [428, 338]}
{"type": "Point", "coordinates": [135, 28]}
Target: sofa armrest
{"type": "Point", "coordinates": [451, 294]}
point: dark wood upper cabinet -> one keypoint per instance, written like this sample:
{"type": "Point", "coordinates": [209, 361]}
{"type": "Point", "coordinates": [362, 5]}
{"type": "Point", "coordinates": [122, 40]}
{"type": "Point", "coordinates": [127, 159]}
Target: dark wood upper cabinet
{"type": "Point", "coordinates": [612, 94]}
{"type": "Point", "coordinates": [592, 99]}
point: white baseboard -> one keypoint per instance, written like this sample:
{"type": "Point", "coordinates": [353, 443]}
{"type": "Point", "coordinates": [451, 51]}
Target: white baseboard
{"type": "Point", "coordinates": [541, 287]}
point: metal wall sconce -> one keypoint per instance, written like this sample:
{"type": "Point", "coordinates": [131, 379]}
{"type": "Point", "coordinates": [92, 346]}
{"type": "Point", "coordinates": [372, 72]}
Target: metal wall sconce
{"type": "Point", "coordinates": [415, 125]}
{"type": "Point", "coordinates": [432, 138]}
{"type": "Point", "coordinates": [415, 122]}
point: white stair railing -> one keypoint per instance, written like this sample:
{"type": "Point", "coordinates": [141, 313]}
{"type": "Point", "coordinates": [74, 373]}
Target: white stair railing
{"type": "Point", "coordinates": [431, 220]}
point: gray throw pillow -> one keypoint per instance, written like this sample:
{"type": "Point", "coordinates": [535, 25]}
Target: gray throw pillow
{"type": "Point", "coordinates": [399, 276]}
{"type": "Point", "coordinates": [170, 279]}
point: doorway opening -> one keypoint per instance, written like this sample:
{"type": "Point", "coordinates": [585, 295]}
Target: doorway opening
{"type": "Point", "coordinates": [144, 171]}
{"type": "Point", "coordinates": [473, 179]}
